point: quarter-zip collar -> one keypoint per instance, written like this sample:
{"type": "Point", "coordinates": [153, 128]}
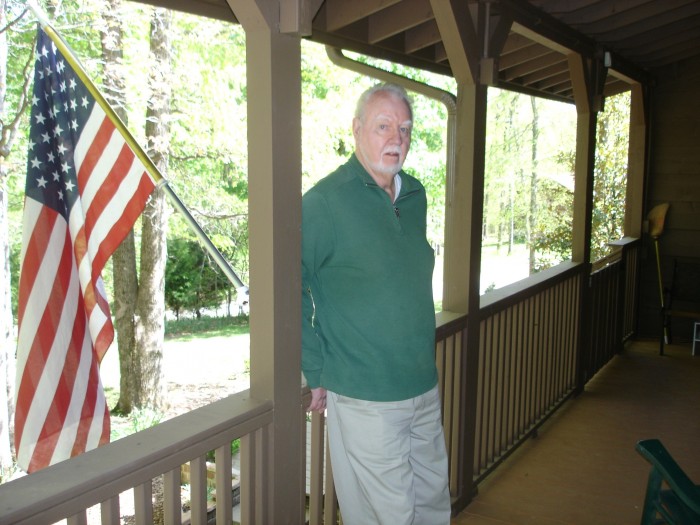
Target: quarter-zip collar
{"type": "Point", "coordinates": [402, 190]}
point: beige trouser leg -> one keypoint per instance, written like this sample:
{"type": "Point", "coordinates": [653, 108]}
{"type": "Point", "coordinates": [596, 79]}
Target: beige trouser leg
{"type": "Point", "coordinates": [389, 460]}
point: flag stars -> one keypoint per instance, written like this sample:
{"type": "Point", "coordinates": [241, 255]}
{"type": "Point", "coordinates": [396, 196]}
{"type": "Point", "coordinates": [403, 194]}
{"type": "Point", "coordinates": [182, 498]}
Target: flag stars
{"type": "Point", "coordinates": [51, 157]}
{"type": "Point", "coordinates": [41, 181]}
{"type": "Point", "coordinates": [36, 163]}
{"type": "Point", "coordinates": [62, 86]}
{"type": "Point", "coordinates": [73, 103]}
{"type": "Point", "coordinates": [62, 149]}
{"type": "Point", "coordinates": [84, 102]}
{"type": "Point", "coordinates": [45, 137]}
{"type": "Point", "coordinates": [57, 131]}
{"type": "Point", "coordinates": [70, 185]}
{"type": "Point", "coordinates": [56, 176]}
{"type": "Point", "coordinates": [40, 119]}
{"type": "Point", "coordinates": [65, 167]}
{"type": "Point", "coordinates": [72, 83]}
{"type": "Point", "coordinates": [35, 100]}
{"type": "Point", "coordinates": [60, 195]}
{"type": "Point", "coordinates": [60, 66]}
{"type": "Point", "coordinates": [74, 125]}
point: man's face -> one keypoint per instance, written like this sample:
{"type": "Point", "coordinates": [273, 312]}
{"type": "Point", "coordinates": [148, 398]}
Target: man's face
{"type": "Point", "coordinates": [383, 136]}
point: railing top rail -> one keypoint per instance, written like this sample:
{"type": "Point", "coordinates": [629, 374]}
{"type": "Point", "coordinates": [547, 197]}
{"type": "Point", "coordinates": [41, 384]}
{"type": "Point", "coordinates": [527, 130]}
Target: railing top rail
{"type": "Point", "coordinates": [625, 241]}
{"type": "Point", "coordinates": [67, 488]}
{"type": "Point", "coordinates": [531, 285]}
{"type": "Point", "coordinates": [620, 246]}
{"type": "Point", "coordinates": [447, 323]}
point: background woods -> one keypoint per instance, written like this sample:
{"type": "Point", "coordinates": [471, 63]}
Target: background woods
{"type": "Point", "coordinates": [178, 82]}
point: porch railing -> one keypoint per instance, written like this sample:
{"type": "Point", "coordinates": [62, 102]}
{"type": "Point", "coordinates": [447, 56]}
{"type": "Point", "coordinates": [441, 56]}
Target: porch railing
{"type": "Point", "coordinates": [98, 477]}
{"type": "Point", "coordinates": [612, 306]}
{"type": "Point", "coordinates": [527, 362]}
{"type": "Point", "coordinates": [531, 357]}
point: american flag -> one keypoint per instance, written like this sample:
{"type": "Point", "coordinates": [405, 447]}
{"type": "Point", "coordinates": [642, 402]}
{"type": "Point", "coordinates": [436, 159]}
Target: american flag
{"type": "Point", "coordinates": [85, 189]}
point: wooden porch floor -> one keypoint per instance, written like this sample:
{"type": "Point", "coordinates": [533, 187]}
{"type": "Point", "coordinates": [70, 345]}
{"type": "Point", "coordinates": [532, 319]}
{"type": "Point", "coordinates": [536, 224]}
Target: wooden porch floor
{"type": "Point", "coordinates": [582, 469]}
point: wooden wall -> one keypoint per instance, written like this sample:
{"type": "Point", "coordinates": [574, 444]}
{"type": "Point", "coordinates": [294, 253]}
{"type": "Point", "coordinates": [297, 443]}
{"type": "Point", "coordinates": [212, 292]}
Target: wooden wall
{"type": "Point", "coordinates": [674, 177]}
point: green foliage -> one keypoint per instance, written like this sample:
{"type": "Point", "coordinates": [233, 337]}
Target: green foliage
{"type": "Point", "coordinates": [610, 183]}
{"type": "Point", "coordinates": [192, 280]}
{"type": "Point", "coordinates": [509, 175]}
{"type": "Point", "coordinates": [552, 236]}
{"type": "Point", "coordinates": [522, 190]}
{"type": "Point", "coordinates": [139, 419]}
{"type": "Point", "coordinates": [143, 418]}
{"type": "Point", "coordinates": [235, 447]}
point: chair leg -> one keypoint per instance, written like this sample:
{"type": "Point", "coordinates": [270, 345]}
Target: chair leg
{"type": "Point", "coordinates": [662, 335]}
{"type": "Point", "coordinates": [651, 497]}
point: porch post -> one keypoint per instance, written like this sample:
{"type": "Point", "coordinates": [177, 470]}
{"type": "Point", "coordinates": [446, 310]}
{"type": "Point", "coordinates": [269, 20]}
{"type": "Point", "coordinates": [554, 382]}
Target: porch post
{"type": "Point", "coordinates": [586, 79]}
{"type": "Point", "coordinates": [472, 49]}
{"type": "Point", "coordinates": [274, 211]}
{"type": "Point", "coordinates": [637, 161]}
{"type": "Point", "coordinates": [465, 221]}
{"type": "Point", "coordinates": [583, 80]}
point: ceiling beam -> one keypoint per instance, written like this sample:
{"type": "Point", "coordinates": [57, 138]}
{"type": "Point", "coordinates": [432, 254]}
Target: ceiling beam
{"type": "Point", "coordinates": [398, 18]}
{"type": "Point", "coordinates": [458, 28]}
{"type": "Point", "coordinates": [422, 36]}
{"type": "Point", "coordinates": [609, 16]}
{"type": "Point", "coordinates": [340, 13]}
{"type": "Point", "coordinates": [523, 56]}
{"type": "Point", "coordinates": [538, 69]}
{"type": "Point", "coordinates": [296, 16]}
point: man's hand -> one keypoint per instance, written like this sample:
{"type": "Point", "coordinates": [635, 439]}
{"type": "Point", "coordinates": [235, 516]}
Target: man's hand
{"type": "Point", "coordinates": [318, 400]}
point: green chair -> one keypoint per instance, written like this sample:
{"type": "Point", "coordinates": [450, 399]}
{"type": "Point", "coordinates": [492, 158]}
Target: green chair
{"type": "Point", "coordinates": [671, 497]}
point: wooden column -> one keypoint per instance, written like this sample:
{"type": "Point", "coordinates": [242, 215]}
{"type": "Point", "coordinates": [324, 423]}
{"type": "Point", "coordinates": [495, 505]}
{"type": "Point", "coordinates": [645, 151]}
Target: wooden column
{"type": "Point", "coordinates": [472, 46]}
{"type": "Point", "coordinates": [584, 82]}
{"type": "Point", "coordinates": [637, 162]}
{"type": "Point", "coordinates": [274, 208]}
{"type": "Point", "coordinates": [586, 76]}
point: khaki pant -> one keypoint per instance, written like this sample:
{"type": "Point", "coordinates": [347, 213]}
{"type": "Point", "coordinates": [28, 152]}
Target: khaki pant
{"type": "Point", "coordinates": [389, 460]}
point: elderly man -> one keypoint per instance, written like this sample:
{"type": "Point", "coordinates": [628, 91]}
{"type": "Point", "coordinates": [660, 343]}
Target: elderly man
{"type": "Point", "coordinates": [369, 324]}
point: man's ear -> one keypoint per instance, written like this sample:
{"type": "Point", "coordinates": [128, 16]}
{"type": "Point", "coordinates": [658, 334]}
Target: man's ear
{"type": "Point", "coordinates": [356, 125]}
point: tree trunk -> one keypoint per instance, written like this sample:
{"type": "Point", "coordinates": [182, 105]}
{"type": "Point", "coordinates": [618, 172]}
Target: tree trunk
{"type": "Point", "coordinates": [7, 370]}
{"type": "Point", "coordinates": [124, 257]}
{"type": "Point", "coordinates": [9, 124]}
{"type": "Point", "coordinates": [150, 305]}
{"type": "Point", "coordinates": [532, 214]}
{"type": "Point", "coordinates": [5, 297]}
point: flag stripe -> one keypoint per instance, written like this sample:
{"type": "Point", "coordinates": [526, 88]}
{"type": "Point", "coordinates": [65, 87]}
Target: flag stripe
{"type": "Point", "coordinates": [44, 371]}
{"type": "Point", "coordinates": [35, 241]}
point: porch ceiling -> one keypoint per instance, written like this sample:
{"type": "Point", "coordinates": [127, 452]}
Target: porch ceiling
{"type": "Point", "coordinates": [644, 38]}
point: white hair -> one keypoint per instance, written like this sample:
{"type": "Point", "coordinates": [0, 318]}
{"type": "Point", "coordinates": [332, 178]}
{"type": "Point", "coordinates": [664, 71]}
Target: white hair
{"type": "Point", "coordinates": [393, 89]}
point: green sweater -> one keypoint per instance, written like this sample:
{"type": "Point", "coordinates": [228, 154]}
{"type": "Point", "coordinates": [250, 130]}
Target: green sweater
{"type": "Point", "coordinates": [368, 315]}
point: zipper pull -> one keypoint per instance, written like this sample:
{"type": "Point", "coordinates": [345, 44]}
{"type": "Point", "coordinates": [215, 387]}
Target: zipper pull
{"type": "Point", "coordinates": [396, 211]}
